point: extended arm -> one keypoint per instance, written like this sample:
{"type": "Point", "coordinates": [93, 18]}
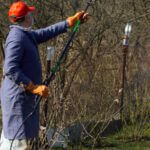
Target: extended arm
{"type": "Point", "coordinates": [42, 35]}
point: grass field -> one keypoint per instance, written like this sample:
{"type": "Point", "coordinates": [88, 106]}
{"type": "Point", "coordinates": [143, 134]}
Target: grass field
{"type": "Point", "coordinates": [144, 145]}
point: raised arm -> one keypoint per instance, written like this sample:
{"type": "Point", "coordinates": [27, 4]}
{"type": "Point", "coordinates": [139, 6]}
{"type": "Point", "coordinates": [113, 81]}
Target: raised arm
{"type": "Point", "coordinates": [44, 34]}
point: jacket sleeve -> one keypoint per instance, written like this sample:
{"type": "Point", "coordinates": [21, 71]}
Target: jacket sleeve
{"type": "Point", "coordinates": [12, 65]}
{"type": "Point", "coordinates": [43, 35]}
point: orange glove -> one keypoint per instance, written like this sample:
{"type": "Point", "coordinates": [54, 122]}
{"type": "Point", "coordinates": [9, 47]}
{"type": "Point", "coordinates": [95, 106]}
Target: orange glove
{"type": "Point", "coordinates": [41, 90]}
{"type": "Point", "coordinates": [73, 19]}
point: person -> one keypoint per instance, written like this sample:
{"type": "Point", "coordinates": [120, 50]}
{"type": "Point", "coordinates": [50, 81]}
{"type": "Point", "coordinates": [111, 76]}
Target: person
{"type": "Point", "coordinates": [22, 76]}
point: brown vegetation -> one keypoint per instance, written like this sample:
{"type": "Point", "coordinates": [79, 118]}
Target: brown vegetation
{"type": "Point", "coordinates": [89, 80]}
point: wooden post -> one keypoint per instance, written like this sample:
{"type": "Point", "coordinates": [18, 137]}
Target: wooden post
{"type": "Point", "coordinates": [125, 52]}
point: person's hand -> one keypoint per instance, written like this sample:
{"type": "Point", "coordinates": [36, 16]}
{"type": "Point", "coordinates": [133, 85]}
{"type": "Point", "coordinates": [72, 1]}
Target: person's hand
{"type": "Point", "coordinates": [85, 17]}
{"type": "Point", "coordinates": [79, 15]}
{"type": "Point", "coordinates": [41, 90]}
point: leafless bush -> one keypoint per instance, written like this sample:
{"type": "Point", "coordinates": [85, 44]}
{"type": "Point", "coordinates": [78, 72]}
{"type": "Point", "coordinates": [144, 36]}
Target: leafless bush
{"type": "Point", "coordinates": [90, 77]}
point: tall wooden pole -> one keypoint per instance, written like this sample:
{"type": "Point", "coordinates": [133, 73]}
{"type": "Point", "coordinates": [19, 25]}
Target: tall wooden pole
{"type": "Point", "coordinates": [50, 53]}
{"type": "Point", "coordinates": [125, 52]}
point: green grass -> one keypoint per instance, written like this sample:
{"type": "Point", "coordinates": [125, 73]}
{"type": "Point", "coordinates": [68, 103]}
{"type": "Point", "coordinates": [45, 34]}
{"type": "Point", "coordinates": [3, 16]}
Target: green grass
{"type": "Point", "coordinates": [133, 133]}
{"type": "Point", "coordinates": [129, 138]}
{"type": "Point", "coordinates": [143, 145]}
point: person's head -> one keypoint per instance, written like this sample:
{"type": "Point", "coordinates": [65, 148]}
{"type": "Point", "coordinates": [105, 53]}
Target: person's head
{"type": "Point", "coordinates": [20, 13]}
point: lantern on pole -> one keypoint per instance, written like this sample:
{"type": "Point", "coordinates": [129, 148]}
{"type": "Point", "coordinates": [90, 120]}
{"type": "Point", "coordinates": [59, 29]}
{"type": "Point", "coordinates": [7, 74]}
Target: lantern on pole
{"type": "Point", "coordinates": [50, 55]}
{"type": "Point", "coordinates": [128, 29]}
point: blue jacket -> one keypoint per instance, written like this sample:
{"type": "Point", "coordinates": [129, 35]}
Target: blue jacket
{"type": "Point", "coordinates": [22, 65]}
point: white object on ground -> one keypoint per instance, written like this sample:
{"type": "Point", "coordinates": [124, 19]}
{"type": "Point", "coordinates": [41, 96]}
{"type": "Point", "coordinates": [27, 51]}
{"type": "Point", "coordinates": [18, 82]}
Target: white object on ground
{"type": "Point", "coordinates": [58, 137]}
